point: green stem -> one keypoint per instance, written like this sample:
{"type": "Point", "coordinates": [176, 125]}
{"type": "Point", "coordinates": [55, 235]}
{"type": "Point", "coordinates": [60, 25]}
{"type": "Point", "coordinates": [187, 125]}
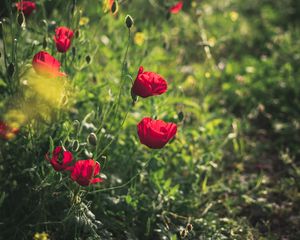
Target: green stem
{"type": "Point", "coordinates": [125, 184]}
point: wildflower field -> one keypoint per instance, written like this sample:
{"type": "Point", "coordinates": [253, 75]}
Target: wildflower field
{"type": "Point", "coordinates": [150, 119]}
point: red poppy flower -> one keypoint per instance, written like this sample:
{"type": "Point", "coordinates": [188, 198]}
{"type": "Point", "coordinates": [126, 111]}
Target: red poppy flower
{"type": "Point", "coordinates": [61, 160]}
{"type": "Point", "coordinates": [45, 64]}
{"type": "Point", "coordinates": [26, 7]}
{"type": "Point", "coordinates": [148, 84]}
{"type": "Point", "coordinates": [63, 38]}
{"type": "Point", "coordinates": [110, 3]}
{"type": "Point", "coordinates": [85, 171]}
{"type": "Point", "coordinates": [155, 133]}
{"type": "Point", "coordinates": [176, 8]}
{"type": "Point", "coordinates": [7, 132]}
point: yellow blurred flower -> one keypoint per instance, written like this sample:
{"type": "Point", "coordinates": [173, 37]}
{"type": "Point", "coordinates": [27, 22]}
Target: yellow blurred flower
{"type": "Point", "coordinates": [41, 236]}
{"type": "Point", "coordinates": [234, 16]}
{"type": "Point", "coordinates": [189, 84]}
{"type": "Point", "coordinates": [207, 74]}
{"type": "Point", "coordinates": [84, 21]}
{"type": "Point", "coordinates": [139, 38]}
{"type": "Point", "coordinates": [211, 41]}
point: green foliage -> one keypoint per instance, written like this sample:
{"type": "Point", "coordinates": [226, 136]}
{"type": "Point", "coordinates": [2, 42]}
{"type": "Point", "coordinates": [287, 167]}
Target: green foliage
{"type": "Point", "coordinates": [233, 90]}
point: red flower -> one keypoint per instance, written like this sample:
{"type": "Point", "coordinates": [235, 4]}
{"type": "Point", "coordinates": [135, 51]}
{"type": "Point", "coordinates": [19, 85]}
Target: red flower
{"type": "Point", "coordinates": [7, 132]}
{"type": "Point", "coordinates": [45, 64]}
{"type": "Point", "coordinates": [63, 37]}
{"type": "Point", "coordinates": [26, 7]}
{"type": "Point", "coordinates": [155, 133]}
{"type": "Point", "coordinates": [176, 8]}
{"type": "Point", "coordinates": [84, 172]}
{"type": "Point", "coordinates": [61, 160]}
{"type": "Point", "coordinates": [148, 84]}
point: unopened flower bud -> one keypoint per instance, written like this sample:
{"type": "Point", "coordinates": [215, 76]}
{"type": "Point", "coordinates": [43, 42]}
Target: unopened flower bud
{"type": "Point", "coordinates": [129, 21]}
{"type": "Point", "coordinates": [183, 233]}
{"type": "Point", "coordinates": [189, 227]}
{"type": "Point", "coordinates": [21, 18]}
{"type": "Point", "coordinates": [88, 59]}
{"type": "Point", "coordinates": [180, 116]}
{"type": "Point", "coordinates": [92, 139]}
{"type": "Point", "coordinates": [114, 7]}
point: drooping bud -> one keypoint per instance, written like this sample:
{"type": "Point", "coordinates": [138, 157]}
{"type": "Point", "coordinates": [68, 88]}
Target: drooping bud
{"type": "Point", "coordinates": [180, 116]}
{"type": "Point", "coordinates": [183, 233]}
{"type": "Point", "coordinates": [92, 139]}
{"type": "Point", "coordinates": [129, 21]}
{"type": "Point", "coordinates": [21, 19]}
{"type": "Point", "coordinates": [88, 59]}
{"type": "Point", "coordinates": [189, 227]}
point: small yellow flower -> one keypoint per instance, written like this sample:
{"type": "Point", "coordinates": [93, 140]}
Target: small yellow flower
{"type": "Point", "coordinates": [41, 236]}
{"type": "Point", "coordinates": [212, 41]}
{"type": "Point", "coordinates": [207, 74]}
{"type": "Point", "coordinates": [84, 21]}
{"type": "Point", "coordinates": [234, 16]}
{"type": "Point", "coordinates": [36, 236]}
{"type": "Point", "coordinates": [139, 38]}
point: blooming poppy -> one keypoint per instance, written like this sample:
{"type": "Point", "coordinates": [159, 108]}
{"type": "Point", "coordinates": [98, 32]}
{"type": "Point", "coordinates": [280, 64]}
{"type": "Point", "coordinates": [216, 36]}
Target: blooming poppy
{"type": "Point", "coordinates": [148, 84]}
{"type": "Point", "coordinates": [176, 8]}
{"type": "Point", "coordinates": [7, 132]}
{"type": "Point", "coordinates": [155, 133]}
{"type": "Point", "coordinates": [61, 160]}
{"type": "Point", "coordinates": [63, 38]}
{"type": "Point", "coordinates": [26, 7]}
{"type": "Point", "coordinates": [45, 64]}
{"type": "Point", "coordinates": [84, 172]}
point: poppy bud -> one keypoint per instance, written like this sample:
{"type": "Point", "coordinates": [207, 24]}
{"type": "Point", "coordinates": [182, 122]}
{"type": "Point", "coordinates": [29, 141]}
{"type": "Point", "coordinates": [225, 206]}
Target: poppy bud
{"type": "Point", "coordinates": [11, 69]}
{"type": "Point", "coordinates": [114, 7]}
{"type": "Point", "coordinates": [88, 59]}
{"type": "Point", "coordinates": [75, 146]}
{"type": "Point", "coordinates": [129, 21]}
{"type": "Point", "coordinates": [180, 116]}
{"type": "Point", "coordinates": [92, 139]}
{"type": "Point", "coordinates": [189, 227]}
{"type": "Point", "coordinates": [21, 18]}
{"type": "Point", "coordinates": [183, 233]}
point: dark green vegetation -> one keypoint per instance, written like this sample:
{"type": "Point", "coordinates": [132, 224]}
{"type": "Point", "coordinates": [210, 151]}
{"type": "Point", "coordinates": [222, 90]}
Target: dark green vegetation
{"type": "Point", "coordinates": [233, 170]}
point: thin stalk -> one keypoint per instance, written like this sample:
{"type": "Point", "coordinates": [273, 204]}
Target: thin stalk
{"type": "Point", "coordinates": [125, 184]}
